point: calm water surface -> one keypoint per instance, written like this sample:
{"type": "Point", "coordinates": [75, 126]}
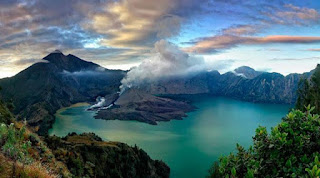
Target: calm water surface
{"type": "Point", "coordinates": [188, 146]}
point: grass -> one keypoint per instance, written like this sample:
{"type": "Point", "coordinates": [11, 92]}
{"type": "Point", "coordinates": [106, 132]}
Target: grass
{"type": "Point", "coordinates": [78, 139]}
{"type": "Point", "coordinates": [34, 170]}
{"type": "Point", "coordinates": [43, 163]}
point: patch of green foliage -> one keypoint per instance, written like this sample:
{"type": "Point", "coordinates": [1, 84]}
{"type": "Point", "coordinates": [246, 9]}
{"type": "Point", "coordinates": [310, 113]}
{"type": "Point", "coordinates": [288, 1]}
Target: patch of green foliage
{"type": "Point", "coordinates": [13, 143]}
{"type": "Point", "coordinates": [309, 92]}
{"type": "Point", "coordinates": [290, 150]}
{"type": "Point", "coordinates": [5, 114]}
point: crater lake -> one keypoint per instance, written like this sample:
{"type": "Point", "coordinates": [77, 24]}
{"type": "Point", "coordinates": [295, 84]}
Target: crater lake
{"type": "Point", "coordinates": [189, 146]}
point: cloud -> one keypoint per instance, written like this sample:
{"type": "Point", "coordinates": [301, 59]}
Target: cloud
{"type": "Point", "coordinates": [127, 23]}
{"type": "Point", "coordinates": [216, 43]}
{"type": "Point", "coordinates": [270, 49]}
{"type": "Point", "coordinates": [296, 59]}
{"type": "Point", "coordinates": [168, 26]}
{"type": "Point", "coordinates": [26, 61]}
{"type": "Point", "coordinates": [140, 23]}
{"type": "Point", "coordinates": [275, 13]}
{"type": "Point", "coordinates": [242, 30]}
{"type": "Point", "coordinates": [124, 31]}
{"type": "Point", "coordinates": [314, 49]}
{"type": "Point", "coordinates": [295, 15]}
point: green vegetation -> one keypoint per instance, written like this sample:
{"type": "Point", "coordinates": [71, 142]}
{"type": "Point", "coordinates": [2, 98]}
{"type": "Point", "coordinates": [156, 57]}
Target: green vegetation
{"type": "Point", "coordinates": [309, 92]}
{"type": "Point", "coordinates": [22, 153]}
{"type": "Point", "coordinates": [15, 150]}
{"type": "Point", "coordinates": [15, 146]}
{"type": "Point", "coordinates": [5, 114]}
{"type": "Point", "coordinates": [290, 150]}
{"type": "Point", "coordinates": [86, 155]}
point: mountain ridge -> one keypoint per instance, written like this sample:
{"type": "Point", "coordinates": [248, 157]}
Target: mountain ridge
{"type": "Point", "coordinates": [43, 88]}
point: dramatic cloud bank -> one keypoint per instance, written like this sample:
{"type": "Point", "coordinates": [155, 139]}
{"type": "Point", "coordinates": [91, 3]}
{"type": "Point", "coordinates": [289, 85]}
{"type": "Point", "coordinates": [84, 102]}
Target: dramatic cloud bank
{"type": "Point", "coordinates": [118, 34]}
{"type": "Point", "coordinates": [167, 60]}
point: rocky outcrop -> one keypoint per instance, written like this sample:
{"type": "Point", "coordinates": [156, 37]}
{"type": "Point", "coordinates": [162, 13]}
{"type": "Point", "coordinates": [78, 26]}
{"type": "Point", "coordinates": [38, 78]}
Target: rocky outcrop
{"type": "Point", "coordinates": [138, 105]}
{"type": "Point", "coordinates": [86, 155]}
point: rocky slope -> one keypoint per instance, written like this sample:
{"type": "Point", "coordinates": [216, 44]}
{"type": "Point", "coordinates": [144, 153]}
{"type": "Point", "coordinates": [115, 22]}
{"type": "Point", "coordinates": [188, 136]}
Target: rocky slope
{"type": "Point", "coordinates": [138, 105]}
{"type": "Point", "coordinates": [249, 86]}
{"type": "Point", "coordinates": [86, 155]}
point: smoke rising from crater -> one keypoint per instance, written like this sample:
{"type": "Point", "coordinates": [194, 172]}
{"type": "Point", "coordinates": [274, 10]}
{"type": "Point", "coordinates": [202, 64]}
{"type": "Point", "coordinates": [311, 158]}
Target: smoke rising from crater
{"type": "Point", "coordinates": [167, 60]}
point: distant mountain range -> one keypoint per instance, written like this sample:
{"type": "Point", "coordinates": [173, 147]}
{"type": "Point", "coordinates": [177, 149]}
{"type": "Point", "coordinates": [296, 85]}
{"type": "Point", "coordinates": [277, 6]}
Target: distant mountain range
{"type": "Point", "coordinates": [244, 84]}
{"type": "Point", "coordinates": [59, 81]}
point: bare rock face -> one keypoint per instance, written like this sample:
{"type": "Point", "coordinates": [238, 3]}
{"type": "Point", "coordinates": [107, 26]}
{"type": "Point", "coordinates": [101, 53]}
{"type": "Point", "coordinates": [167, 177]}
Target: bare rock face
{"type": "Point", "coordinates": [135, 104]}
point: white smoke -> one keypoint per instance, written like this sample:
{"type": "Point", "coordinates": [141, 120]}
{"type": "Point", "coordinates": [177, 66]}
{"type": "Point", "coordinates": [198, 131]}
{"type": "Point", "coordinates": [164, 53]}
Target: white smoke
{"type": "Point", "coordinates": [100, 103]}
{"type": "Point", "coordinates": [167, 60]}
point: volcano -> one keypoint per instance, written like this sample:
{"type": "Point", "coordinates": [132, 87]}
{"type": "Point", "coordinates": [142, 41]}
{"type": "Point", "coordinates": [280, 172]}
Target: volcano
{"type": "Point", "coordinates": [135, 104]}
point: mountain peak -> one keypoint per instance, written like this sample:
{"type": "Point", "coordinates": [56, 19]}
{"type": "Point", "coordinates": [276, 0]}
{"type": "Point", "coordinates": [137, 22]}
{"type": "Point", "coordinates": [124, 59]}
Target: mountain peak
{"type": "Point", "coordinates": [247, 72]}
{"type": "Point", "coordinates": [56, 52]}
{"type": "Point", "coordinates": [244, 68]}
{"type": "Point", "coordinates": [70, 62]}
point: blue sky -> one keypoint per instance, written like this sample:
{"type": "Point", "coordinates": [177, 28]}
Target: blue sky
{"type": "Point", "coordinates": [271, 35]}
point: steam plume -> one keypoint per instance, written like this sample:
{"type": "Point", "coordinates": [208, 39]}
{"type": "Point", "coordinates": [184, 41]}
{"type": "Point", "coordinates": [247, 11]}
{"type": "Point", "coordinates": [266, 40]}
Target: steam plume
{"type": "Point", "coordinates": [167, 60]}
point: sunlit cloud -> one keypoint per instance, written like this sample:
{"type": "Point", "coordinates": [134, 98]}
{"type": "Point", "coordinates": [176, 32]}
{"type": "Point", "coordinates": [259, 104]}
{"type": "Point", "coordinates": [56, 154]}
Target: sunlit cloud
{"type": "Point", "coordinates": [242, 30]}
{"type": "Point", "coordinates": [295, 15]}
{"type": "Point", "coordinates": [317, 50]}
{"type": "Point", "coordinates": [216, 43]}
{"type": "Point", "coordinates": [127, 23]}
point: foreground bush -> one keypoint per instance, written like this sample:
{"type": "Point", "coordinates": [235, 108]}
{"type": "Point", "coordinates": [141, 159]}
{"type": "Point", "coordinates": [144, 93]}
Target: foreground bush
{"type": "Point", "coordinates": [22, 154]}
{"type": "Point", "coordinates": [290, 150]}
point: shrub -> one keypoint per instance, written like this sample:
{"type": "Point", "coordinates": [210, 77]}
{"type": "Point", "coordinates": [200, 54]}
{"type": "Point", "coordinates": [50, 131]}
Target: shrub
{"type": "Point", "coordinates": [15, 146]}
{"type": "Point", "coordinates": [290, 150]}
{"type": "Point", "coordinates": [34, 170]}
{"type": "Point", "coordinates": [309, 91]}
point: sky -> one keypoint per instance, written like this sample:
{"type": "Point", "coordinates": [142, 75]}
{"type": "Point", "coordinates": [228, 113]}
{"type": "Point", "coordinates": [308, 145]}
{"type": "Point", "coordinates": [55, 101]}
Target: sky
{"type": "Point", "coordinates": [268, 35]}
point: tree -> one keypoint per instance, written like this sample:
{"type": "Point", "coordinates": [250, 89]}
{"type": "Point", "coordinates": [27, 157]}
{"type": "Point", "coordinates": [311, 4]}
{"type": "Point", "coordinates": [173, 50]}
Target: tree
{"type": "Point", "coordinates": [309, 92]}
{"type": "Point", "coordinates": [303, 94]}
{"type": "Point", "coordinates": [290, 150]}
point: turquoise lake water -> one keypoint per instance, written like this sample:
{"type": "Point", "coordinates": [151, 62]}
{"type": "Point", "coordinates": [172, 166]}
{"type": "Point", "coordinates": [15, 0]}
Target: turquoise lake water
{"type": "Point", "coordinates": [188, 146]}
